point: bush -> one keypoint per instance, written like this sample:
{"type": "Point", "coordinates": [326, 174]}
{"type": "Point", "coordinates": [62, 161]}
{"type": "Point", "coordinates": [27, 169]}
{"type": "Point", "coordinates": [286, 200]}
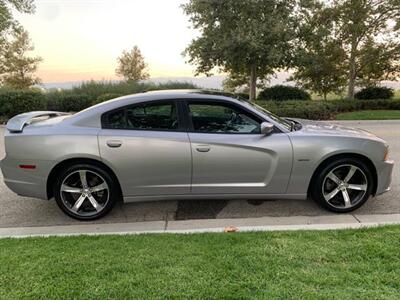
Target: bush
{"type": "Point", "coordinates": [68, 101]}
{"type": "Point", "coordinates": [372, 93]}
{"type": "Point", "coordinates": [282, 92]}
{"type": "Point", "coordinates": [14, 102]}
{"type": "Point", "coordinates": [94, 89]}
{"type": "Point", "coordinates": [105, 97]}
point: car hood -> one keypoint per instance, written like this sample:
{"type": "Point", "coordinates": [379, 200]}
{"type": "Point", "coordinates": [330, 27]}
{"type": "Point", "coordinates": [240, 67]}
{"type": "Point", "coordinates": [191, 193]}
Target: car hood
{"type": "Point", "coordinates": [326, 128]}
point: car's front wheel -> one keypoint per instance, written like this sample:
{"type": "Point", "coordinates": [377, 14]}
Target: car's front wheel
{"type": "Point", "coordinates": [343, 185]}
{"type": "Point", "coordinates": [85, 192]}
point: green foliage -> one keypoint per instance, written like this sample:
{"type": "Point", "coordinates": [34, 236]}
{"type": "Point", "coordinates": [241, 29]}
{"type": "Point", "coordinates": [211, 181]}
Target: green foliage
{"type": "Point", "coordinates": [368, 32]}
{"type": "Point", "coordinates": [347, 42]}
{"type": "Point", "coordinates": [325, 110]}
{"type": "Point", "coordinates": [7, 22]}
{"type": "Point", "coordinates": [283, 92]}
{"type": "Point", "coordinates": [376, 92]}
{"type": "Point", "coordinates": [68, 101]}
{"type": "Point", "coordinates": [234, 81]}
{"type": "Point", "coordinates": [318, 59]}
{"type": "Point", "coordinates": [96, 88]}
{"type": "Point", "coordinates": [105, 97]}
{"type": "Point", "coordinates": [248, 37]}
{"type": "Point", "coordinates": [14, 102]}
{"type": "Point", "coordinates": [131, 65]}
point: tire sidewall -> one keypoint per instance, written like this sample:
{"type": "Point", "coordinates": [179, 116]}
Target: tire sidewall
{"type": "Point", "coordinates": [316, 191]}
{"type": "Point", "coordinates": [113, 190]}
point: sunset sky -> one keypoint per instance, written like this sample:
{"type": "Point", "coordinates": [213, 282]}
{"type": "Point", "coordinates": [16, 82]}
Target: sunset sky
{"type": "Point", "coordinates": [81, 39]}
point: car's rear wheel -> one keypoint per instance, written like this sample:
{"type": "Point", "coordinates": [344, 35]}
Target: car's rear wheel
{"type": "Point", "coordinates": [85, 192]}
{"type": "Point", "coordinates": [343, 185]}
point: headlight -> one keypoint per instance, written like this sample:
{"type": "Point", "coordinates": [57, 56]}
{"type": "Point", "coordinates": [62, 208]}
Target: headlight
{"type": "Point", "coordinates": [386, 155]}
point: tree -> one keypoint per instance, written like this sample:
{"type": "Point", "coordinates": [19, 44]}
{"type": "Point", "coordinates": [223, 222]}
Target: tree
{"type": "Point", "coordinates": [319, 69]}
{"type": "Point", "coordinates": [358, 38]}
{"type": "Point", "coordinates": [248, 37]}
{"type": "Point", "coordinates": [364, 27]}
{"type": "Point", "coordinates": [17, 68]}
{"type": "Point", "coordinates": [131, 65]}
{"type": "Point", "coordinates": [318, 62]}
{"type": "Point", "coordinates": [7, 22]}
{"type": "Point", "coordinates": [378, 62]}
{"type": "Point", "coordinates": [234, 82]}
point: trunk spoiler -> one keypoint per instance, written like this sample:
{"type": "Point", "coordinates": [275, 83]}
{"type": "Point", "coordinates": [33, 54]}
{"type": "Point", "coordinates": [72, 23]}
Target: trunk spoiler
{"type": "Point", "coordinates": [17, 123]}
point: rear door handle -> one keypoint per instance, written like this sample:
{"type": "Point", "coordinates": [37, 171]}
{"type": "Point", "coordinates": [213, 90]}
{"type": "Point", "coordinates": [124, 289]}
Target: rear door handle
{"type": "Point", "coordinates": [203, 148]}
{"type": "Point", "coordinates": [114, 143]}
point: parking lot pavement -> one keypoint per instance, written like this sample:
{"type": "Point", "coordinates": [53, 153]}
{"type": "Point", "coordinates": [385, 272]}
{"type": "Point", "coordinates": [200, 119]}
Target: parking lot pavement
{"type": "Point", "coordinates": [16, 211]}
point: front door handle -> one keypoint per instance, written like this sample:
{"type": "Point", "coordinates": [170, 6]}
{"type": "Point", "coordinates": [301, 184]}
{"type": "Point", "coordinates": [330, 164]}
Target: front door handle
{"type": "Point", "coordinates": [203, 148]}
{"type": "Point", "coordinates": [114, 143]}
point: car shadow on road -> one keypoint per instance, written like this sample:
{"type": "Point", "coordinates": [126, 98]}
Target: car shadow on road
{"type": "Point", "coordinates": [214, 209]}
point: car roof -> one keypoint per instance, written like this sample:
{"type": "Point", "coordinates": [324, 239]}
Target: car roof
{"type": "Point", "coordinates": [90, 115]}
{"type": "Point", "coordinates": [192, 92]}
{"type": "Point", "coordinates": [179, 94]}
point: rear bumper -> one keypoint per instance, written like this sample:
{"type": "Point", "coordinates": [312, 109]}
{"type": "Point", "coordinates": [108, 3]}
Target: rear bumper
{"type": "Point", "coordinates": [25, 182]}
{"type": "Point", "coordinates": [384, 173]}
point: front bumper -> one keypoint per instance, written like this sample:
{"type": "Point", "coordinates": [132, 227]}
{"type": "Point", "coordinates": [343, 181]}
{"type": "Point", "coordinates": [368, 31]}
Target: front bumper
{"type": "Point", "coordinates": [384, 174]}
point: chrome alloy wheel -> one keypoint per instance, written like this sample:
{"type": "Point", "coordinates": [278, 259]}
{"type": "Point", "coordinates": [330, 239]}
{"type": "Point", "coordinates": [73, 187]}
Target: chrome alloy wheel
{"type": "Point", "coordinates": [344, 186]}
{"type": "Point", "coordinates": [84, 193]}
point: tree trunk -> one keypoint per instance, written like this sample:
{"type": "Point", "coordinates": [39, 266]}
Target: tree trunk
{"type": "Point", "coordinates": [253, 83]}
{"type": "Point", "coordinates": [352, 71]}
{"type": "Point", "coordinates": [352, 80]}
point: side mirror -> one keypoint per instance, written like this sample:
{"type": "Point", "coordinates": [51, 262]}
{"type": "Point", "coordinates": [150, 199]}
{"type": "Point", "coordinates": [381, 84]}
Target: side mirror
{"type": "Point", "coordinates": [266, 128]}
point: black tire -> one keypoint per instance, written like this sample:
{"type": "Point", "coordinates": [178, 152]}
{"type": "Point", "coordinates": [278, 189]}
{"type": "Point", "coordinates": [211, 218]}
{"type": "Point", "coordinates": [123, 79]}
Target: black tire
{"type": "Point", "coordinates": [111, 194]}
{"type": "Point", "coordinates": [319, 185]}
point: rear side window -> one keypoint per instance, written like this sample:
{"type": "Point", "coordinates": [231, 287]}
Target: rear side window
{"type": "Point", "coordinates": [149, 116]}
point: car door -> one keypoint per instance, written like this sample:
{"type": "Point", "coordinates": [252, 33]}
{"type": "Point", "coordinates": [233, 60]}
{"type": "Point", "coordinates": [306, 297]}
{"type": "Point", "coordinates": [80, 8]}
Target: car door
{"type": "Point", "coordinates": [147, 148]}
{"type": "Point", "coordinates": [231, 156]}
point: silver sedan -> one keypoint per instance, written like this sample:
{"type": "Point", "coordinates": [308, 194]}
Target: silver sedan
{"type": "Point", "coordinates": [188, 145]}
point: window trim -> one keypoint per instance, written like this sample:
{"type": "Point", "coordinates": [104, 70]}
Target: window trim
{"type": "Point", "coordinates": [174, 102]}
{"type": "Point", "coordinates": [189, 120]}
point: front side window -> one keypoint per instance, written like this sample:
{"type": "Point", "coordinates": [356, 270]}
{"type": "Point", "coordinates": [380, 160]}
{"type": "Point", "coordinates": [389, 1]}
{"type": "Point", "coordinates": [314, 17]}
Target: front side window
{"type": "Point", "coordinates": [220, 118]}
{"type": "Point", "coordinates": [151, 116]}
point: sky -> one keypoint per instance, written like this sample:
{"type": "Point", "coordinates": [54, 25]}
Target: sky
{"type": "Point", "coordinates": [81, 39]}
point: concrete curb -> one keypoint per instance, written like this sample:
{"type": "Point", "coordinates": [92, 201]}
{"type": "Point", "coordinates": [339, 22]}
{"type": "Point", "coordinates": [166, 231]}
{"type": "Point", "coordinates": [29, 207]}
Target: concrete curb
{"type": "Point", "coordinates": [203, 226]}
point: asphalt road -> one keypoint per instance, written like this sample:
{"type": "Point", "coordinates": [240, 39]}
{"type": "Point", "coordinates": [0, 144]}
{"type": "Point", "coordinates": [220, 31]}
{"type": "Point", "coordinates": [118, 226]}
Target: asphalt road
{"type": "Point", "coordinates": [17, 211]}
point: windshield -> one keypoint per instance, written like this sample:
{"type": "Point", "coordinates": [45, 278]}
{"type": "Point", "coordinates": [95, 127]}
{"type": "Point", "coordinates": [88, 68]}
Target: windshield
{"type": "Point", "coordinates": [287, 124]}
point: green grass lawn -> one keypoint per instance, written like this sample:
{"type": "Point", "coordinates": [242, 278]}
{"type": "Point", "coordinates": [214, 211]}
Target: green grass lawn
{"type": "Point", "coordinates": [370, 115]}
{"type": "Point", "coordinates": [346, 264]}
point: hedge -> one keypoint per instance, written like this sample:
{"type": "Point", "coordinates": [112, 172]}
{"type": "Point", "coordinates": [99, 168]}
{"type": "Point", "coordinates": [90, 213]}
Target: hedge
{"type": "Point", "coordinates": [283, 93]}
{"type": "Point", "coordinates": [67, 101]}
{"type": "Point", "coordinates": [325, 110]}
{"type": "Point", "coordinates": [105, 97]}
{"type": "Point", "coordinates": [94, 89]}
{"type": "Point", "coordinates": [15, 102]}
